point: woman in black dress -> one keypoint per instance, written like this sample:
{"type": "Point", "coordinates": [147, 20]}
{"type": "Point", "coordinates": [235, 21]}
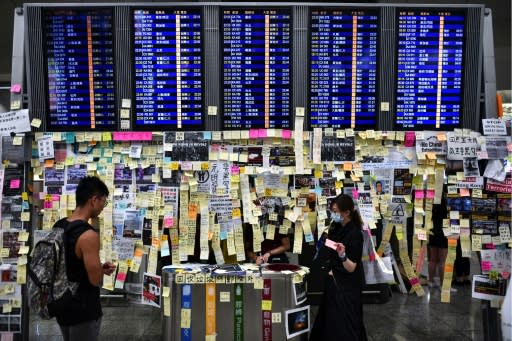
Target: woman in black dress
{"type": "Point", "coordinates": [340, 316]}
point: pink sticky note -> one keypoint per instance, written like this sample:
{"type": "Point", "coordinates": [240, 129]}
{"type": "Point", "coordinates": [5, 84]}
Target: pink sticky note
{"type": "Point", "coordinates": [489, 246]}
{"type": "Point", "coordinates": [413, 281]}
{"type": "Point", "coordinates": [486, 266]}
{"type": "Point", "coordinates": [48, 204]}
{"type": "Point", "coordinates": [253, 133]}
{"type": "Point", "coordinates": [235, 169]}
{"type": "Point", "coordinates": [430, 194]}
{"type": "Point", "coordinates": [121, 276]}
{"type": "Point", "coordinates": [355, 194]}
{"type": "Point", "coordinates": [15, 184]}
{"type": "Point", "coordinates": [262, 133]}
{"type": "Point", "coordinates": [419, 194]}
{"type": "Point", "coordinates": [286, 134]}
{"type": "Point", "coordinates": [132, 136]}
{"type": "Point", "coordinates": [16, 88]}
{"type": "Point", "coordinates": [410, 138]}
{"type": "Point", "coordinates": [168, 221]}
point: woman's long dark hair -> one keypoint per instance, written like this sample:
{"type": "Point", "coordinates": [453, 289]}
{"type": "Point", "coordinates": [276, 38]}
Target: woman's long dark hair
{"type": "Point", "coordinates": [345, 203]}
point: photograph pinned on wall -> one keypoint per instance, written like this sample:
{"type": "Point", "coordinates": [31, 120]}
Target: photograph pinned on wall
{"type": "Point", "coordinates": [328, 186]}
{"type": "Point", "coordinates": [145, 175]}
{"type": "Point", "coordinates": [297, 321]}
{"type": "Point", "coordinates": [10, 241]}
{"type": "Point", "coordinates": [11, 212]}
{"type": "Point", "coordinates": [471, 167]}
{"type": "Point", "coordinates": [132, 225]}
{"type": "Point", "coordinates": [303, 181]}
{"type": "Point", "coordinates": [75, 173]}
{"type": "Point", "coordinates": [402, 182]}
{"type": "Point", "coordinates": [54, 177]}
{"type": "Point", "coordinates": [122, 174]}
{"type": "Point", "coordinates": [283, 156]}
{"type": "Point", "coordinates": [151, 286]}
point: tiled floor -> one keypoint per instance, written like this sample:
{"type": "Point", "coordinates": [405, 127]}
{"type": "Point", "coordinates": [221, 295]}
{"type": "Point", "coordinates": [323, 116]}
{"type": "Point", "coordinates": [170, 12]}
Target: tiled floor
{"type": "Point", "coordinates": [404, 317]}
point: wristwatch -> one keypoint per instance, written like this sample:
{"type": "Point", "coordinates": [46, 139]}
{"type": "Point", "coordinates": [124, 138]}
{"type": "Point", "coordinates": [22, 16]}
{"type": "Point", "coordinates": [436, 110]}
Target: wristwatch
{"type": "Point", "coordinates": [343, 257]}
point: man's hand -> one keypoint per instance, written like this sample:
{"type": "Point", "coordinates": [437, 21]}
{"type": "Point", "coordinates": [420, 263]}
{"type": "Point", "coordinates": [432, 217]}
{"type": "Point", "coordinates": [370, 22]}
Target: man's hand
{"type": "Point", "coordinates": [108, 268]}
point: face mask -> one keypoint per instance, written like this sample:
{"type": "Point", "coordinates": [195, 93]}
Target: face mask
{"type": "Point", "coordinates": [336, 217]}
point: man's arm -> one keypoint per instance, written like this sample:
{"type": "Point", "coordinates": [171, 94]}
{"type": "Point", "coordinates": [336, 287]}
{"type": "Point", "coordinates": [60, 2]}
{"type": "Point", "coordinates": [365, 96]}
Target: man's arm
{"type": "Point", "coordinates": [88, 249]}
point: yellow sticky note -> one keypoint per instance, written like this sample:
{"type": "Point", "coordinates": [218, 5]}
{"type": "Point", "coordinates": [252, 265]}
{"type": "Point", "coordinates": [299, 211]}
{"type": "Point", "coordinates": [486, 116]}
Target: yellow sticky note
{"type": "Point", "coordinates": [23, 236]}
{"type": "Point", "coordinates": [24, 250]}
{"type": "Point", "coordinates": [6, 308]}
{"type": "Point", "coordinates": [4, 252]}
{"type": "Point", "coordinates": [36, 122]}
{"type": "Point", "coordinates": [258, 283]}
{"type": "Point", "coordinates": [185, 318]}
{"type": "Point", "coordinates": [167, 306]}
{"type": "Point", "coordinates": [266, 305]}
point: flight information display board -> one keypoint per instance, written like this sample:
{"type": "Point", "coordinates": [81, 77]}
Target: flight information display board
{"type": "Point", "coordinates": [256, 72]}
{"type": "Point", "coordinates": [80, 69]}
{"type": "Point", "coordinates": [168, 69]}
{"type": "Point", "coordinates": [343, 68]}
{"type": "Point", "coordinates": [429, 87]}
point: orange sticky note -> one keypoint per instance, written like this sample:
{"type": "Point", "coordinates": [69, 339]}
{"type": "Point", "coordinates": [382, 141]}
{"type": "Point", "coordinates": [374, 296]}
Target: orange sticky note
{"type": "Point", "coordinates": [347, 166]}
{"type": "Point", "coordinates": [464, 192]}
{"type": "Point", "coordinates": [49, 163]}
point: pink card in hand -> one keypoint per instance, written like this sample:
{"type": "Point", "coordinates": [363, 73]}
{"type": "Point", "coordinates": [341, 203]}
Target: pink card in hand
{"type": "Point", "coordinates": [330, 244]}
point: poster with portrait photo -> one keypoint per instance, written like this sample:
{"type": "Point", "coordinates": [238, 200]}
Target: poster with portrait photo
{"type": "Point", "coordinates": [151, 286]}
{"type": "Point", "coordinates": [75, 173]}
{"type": "Point", "coordinates": [471, 167]}
{"type": "Point", "coordinates": [297, 321]}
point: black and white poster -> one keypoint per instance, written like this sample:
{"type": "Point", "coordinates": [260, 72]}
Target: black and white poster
{"type": "Point", "coordinates": [335, 149]}
{"type": "Point", "coordinates": [186, 146]}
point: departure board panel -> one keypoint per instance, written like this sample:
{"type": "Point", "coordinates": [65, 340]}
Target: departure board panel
{"type": "Point", "coordinates": [429, 87]}
{"type": "Point", "coordinates": [80, 69]}
{"type": "Point", "coordinates": [256, 72]}
{"type": "Point", "coordinates": [168, 69]}
{"type": "Point", "coordinates": [343, 68]}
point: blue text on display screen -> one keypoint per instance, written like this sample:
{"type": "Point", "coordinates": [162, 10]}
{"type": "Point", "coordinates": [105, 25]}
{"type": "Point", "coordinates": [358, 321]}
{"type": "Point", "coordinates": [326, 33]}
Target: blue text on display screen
{"type": "Point", "coordinates": [429, 82]}
{"type": "Point", "coordinates": [168, 69]}
{"type": "Point", "coordinates": [256, 70]}
{"type": "Point", "coordinates": [343, 68]}
{"type": "Point", "coordinates": [80, 69]}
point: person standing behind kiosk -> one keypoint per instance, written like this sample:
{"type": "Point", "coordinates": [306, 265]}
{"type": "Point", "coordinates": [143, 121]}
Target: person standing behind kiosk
{"type": "Point", "coordinates": [340, 316]}
{"type": "Point", "coordinates": [272, 250]}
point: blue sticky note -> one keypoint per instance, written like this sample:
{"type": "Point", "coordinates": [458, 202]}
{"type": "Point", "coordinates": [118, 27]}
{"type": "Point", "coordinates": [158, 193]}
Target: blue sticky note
{"type": "Point", "coordinates": [70, 137]}
{"type": "Point", "coordinates": [223, 235]}
{"type": "Point", "coordinates": [207, 135]}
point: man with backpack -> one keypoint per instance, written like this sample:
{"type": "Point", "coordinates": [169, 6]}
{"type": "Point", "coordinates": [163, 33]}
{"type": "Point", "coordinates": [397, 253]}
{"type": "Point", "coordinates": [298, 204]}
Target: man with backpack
{"type": "Point", "coordinates": [78, 310]}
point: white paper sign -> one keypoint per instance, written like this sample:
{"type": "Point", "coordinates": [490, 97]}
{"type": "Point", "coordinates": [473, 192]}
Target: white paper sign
{"type": "Point", "coordinates": [14, 122]}
{"type": "Point", "coordinates": [494, 126]}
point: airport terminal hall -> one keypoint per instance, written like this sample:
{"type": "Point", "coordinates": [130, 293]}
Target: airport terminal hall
{"type": "Point", "coordinates": [255, 171]}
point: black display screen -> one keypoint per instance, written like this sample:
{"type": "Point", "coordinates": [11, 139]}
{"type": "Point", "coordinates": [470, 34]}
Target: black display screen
{"type": "Point", "coordinates": [168, 69]}
{"type": "Point", "coordinates": [429, 88]}
{"type": "Point", "coordinates": [79, 52]}
{"type": "Point", "coordinates": [256, 70]}
{"type": "Point", "coordinates": [343, 68]}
